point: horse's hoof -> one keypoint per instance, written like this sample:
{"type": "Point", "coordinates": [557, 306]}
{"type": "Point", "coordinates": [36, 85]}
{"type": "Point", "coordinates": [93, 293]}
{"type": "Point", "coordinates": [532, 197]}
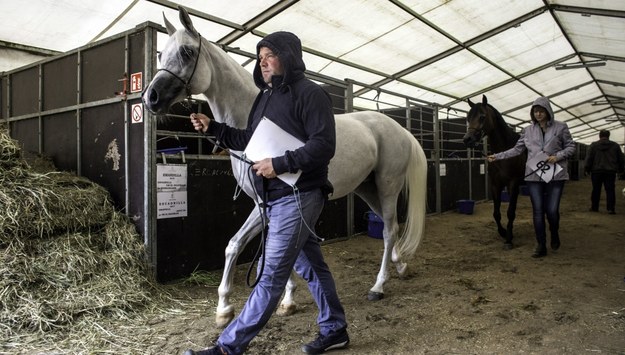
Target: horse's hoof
{"type": "Point", "coordinates": [401, 269]}
{"type": "Point", "coordinates": [375, 296]}
{"type": "Point", "coordinates": [286, 310]}
{"type": "Point", "coordinates": [507, 246]}
{"type": "Point", "coordinates": [223, 319]}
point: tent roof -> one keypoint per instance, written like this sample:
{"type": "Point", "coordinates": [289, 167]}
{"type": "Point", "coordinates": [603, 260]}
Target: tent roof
{"type": "Point", "coordinates": [437, 51]}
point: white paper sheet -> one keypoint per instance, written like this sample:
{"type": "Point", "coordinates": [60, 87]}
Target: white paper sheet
{"type": "Point", "coordinates": [543, 169]}
{"type": "Point", "coordinates": [270, 141]}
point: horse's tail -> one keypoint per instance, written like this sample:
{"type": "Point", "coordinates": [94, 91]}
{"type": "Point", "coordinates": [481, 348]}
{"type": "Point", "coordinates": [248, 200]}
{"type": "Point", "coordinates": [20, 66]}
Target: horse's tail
{"type": "Point", "coordinates": [416, 190]}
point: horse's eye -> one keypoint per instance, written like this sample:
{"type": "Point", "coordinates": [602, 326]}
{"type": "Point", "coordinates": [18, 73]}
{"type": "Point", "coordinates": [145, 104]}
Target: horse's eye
{"type": "Point", "coordinates": [186, 53]}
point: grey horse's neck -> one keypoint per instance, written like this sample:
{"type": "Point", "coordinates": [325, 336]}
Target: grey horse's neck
{"type": "Point", "coordinates": [232, 91]}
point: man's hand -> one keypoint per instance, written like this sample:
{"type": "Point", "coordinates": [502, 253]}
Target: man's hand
{"type": "Point", "coordinates": [200, 122]}
{"type": "Point", "coordinates": [264, 168]}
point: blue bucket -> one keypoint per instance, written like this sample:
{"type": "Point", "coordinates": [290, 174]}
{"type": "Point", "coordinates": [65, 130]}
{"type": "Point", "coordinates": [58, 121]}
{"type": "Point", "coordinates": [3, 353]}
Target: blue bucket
{"type": "Point", "coordinates": [376, 225]}
{"type": "Point", "coordinates": [505, 196]}
{"type": "Point", "coordinates": [465, 206]}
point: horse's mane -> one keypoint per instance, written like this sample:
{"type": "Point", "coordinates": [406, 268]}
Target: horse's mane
{"type": "Point", "coordinates": [503, 128]}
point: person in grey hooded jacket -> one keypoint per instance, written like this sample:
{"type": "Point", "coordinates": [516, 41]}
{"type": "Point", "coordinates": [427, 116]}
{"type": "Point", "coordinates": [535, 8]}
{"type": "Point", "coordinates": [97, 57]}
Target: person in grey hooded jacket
{"type": "Point", "coordinates": [551, 138]}
{"type": "Point", "coordinates": [303, 109]}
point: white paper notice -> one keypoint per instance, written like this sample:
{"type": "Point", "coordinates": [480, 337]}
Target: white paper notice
{"type": "Point", "coordinates": [538, 164]}
{"type": "Point", "coordinates": [171, 190]}
{"type": "Point", "coordinates": [270, 141]}
{"type": "Point", "coordinates": [442, 168]}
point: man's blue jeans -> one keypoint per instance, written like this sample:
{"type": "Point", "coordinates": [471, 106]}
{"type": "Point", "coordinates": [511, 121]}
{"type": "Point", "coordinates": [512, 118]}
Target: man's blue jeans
{"type": "Point", "coordinates": [290, 244]}
{"type": "Point", "coordinates": [545, 199]}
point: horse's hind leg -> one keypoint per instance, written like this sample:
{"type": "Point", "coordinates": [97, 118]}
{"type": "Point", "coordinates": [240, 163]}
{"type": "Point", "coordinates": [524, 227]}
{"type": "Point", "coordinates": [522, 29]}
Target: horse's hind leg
{"type": "Point", "coordinates": [288, 305]}
{"type": "Point", "coordinates": [252, 226]}
{"type": "Point", "coordinates": [387, 211]}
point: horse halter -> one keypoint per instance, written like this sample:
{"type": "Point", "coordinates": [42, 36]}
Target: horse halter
{"type": "Point", "coordinates": [482, 118]}
{"type": "Point", "coordinates": [187, 83]}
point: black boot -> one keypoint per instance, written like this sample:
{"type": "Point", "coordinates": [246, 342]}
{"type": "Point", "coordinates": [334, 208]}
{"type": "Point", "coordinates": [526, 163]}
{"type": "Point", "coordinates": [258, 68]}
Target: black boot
{"type": "Point", "coordinates": [555, 241]}
{"type": "Point", "coordinates": [540, 251]}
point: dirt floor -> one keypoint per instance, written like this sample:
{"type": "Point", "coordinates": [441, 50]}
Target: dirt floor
{"type": "Point", "coordinates": [463, 293]}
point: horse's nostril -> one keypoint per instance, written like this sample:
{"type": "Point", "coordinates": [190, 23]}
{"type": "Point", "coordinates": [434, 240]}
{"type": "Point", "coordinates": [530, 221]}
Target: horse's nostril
{"type": "Point", "coordinates": [153, 96]}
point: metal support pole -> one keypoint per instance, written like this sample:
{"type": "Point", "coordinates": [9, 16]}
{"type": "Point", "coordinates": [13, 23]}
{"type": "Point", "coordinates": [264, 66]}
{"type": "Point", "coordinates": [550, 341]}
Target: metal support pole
{"type": "Point", "coordinates": [349, 107]}
{"type": "Point", "coordinates": [436, 157]}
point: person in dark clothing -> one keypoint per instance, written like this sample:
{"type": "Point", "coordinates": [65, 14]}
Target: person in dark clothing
{"type": "Point", "coordinates": [303, 109]}
{"type": "Point", "coordinates": [603, 161]}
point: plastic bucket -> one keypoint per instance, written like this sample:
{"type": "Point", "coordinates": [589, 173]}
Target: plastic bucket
{"type": "Point", "coordinates": [375, 226]}
{"type": "Point", "coordinates": [465, 206]}
{"type": "Point", "coordinates": [505, 196]}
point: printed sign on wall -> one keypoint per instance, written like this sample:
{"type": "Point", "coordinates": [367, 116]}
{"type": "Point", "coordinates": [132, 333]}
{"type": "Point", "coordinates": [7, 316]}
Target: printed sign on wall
{"type": "Point", "coordinates": [136, 82]}
{"type": "Point", "coordinates": [171, 190]}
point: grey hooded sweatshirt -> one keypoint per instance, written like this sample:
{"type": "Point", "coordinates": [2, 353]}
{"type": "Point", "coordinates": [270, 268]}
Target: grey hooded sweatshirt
{"type": "Point", "coordinates": [556, 141]}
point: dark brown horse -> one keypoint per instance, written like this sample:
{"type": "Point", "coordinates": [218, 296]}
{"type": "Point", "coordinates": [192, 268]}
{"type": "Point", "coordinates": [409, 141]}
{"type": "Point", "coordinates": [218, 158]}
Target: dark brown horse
{"type": "Point", "coordinates": [484, 120]}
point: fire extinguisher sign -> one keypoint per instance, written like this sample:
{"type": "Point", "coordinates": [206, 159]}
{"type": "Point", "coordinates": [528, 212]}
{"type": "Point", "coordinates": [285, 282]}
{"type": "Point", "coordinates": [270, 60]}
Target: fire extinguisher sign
{"type": "Point", "coordinates": [136, 82]}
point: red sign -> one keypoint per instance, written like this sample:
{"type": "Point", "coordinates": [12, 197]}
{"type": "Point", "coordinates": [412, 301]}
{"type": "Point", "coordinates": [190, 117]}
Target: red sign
{"type": "Point", "coordinates": [136, 82]}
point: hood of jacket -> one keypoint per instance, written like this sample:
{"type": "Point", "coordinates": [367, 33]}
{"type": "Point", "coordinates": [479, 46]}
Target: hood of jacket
{"type": "Point", "coordinates": [288, 48]}
{"type": "Point", "coordinates": [544, 103]}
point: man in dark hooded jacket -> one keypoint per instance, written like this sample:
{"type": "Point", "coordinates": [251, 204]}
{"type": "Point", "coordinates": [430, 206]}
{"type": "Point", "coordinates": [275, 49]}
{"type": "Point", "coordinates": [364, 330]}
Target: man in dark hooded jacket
{"type": "Point", "coordinates": [304, 110]}
{"type": "Point", "coordinates": [603, 161]}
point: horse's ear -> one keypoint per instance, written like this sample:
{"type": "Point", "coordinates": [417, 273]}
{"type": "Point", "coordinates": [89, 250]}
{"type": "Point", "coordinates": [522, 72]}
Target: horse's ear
{"type": "Point", "coordinates": [170, 28]}
{"type": "Point", "coordinates": [484, 100]}
{"type": "Point", "coordinates": [185, 19]}
{"type": "Point", "coordinates": [471, 104]}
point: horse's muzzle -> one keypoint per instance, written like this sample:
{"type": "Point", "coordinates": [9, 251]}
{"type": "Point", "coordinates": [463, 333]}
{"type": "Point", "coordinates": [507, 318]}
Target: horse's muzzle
{"type": "Point", "coordinates": [470, 140]}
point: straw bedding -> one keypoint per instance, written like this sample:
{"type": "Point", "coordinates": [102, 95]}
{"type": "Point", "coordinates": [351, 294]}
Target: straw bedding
{"type": "Point", "coordinates": [68, 260]}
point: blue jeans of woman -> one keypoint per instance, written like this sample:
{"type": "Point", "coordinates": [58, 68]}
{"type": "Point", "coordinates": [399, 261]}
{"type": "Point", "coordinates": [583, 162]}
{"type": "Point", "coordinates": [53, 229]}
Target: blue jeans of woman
{"type": "Point", "coordinates": [545, 199]}
{"type": "Point", "coordinates": [291, 244]}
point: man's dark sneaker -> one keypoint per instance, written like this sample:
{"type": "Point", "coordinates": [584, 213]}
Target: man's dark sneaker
{"type": "Point", "coordinates": [593, 209]}
{"type": "Point", "coordinates": [323, 343]}
{"type": "Point", "coordinates": [216, 350]}
{"type": "Point", "coordinates": [540, 251]}
{"type": "Point", "coordinates": [611, 212]}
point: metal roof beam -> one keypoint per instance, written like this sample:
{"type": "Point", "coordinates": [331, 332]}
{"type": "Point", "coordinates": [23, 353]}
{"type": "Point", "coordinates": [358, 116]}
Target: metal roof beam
{"type": "Point", "coordinates": [587, 11]}
{"type": "Point", "coordinates": [197, 13]}
{"type": "Point", "coordinates": [258, 20]}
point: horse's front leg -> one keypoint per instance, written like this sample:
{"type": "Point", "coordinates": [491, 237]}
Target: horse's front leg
{"type": "Point", "coordinates": [252, 226]}
{"type": "Point", "coordinates": [497, 216]}
{"type": "Point", "coordinates": [288, 305]}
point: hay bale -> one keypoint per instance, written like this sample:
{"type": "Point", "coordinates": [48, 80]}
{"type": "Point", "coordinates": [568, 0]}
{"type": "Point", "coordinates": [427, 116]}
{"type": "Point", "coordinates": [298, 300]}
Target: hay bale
{"type": "Point", "coordinates": [66, 255]}
{"type": "Point", "coordinates": [39, 205]}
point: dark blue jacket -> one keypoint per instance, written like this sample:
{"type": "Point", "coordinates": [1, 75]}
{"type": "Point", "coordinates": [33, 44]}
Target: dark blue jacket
{"type": "Point", "coordinates": [297, 105]}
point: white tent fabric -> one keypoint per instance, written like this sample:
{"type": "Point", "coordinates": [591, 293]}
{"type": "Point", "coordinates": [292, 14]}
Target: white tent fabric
{"type": "Point", "coordinates": [437, 51]}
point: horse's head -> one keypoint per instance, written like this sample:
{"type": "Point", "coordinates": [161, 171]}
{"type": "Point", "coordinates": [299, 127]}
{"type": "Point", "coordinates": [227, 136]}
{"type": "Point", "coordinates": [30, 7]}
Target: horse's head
{"type": "Point", "coordinates": [478, 122]}
{"type": "Point", "coordinates": [181, 73]}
